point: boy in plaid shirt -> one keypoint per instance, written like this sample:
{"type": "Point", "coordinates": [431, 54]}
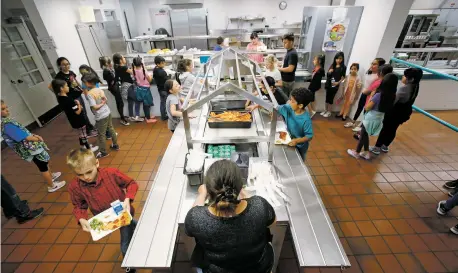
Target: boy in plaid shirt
{"type": "Point", "coordinates": [96, 188]}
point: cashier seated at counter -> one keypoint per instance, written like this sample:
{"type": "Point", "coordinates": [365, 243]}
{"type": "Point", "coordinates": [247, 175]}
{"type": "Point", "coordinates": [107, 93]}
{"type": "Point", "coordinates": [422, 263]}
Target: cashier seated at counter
{"type": "Point", "coordinates": [231, 232]}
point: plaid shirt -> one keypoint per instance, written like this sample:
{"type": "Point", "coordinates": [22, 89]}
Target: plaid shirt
{"type": "Point", "coordinates": [111, 185]}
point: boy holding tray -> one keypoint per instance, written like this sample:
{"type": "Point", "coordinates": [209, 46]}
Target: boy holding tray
{"type": "Point", "coordinates": [96, 188]}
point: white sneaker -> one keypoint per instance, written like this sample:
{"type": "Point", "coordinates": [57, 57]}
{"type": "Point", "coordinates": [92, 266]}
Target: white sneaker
{"type": "Point", "coordinates": [55, 175]}
{"type": "Point", "coordinates": [365, 155]}
{"type": "Point", "coordinates": [94, 148]}
{"type": "Point", "coordinates": [312, 114]}
{"type": "Point", "coordinates": [327, 114]}
{"type": "Point", "coordinates": [356, 129]}
{"type": "Point", "coordinates": [56, 186]}
{"type": "Point", "coordinates": [138, 119]}
{"type": "Point", "coordinates": [323, 113]}
{"type": "Point", "coordinates": [349, 124]}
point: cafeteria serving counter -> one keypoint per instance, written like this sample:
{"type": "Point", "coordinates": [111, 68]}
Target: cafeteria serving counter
{"type": "Point", "coordinates": [315, 241]}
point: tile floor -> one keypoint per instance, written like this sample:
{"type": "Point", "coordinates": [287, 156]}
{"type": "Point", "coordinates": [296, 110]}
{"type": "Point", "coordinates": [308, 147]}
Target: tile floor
{"type": "Point", "coordinates": [383, 210]}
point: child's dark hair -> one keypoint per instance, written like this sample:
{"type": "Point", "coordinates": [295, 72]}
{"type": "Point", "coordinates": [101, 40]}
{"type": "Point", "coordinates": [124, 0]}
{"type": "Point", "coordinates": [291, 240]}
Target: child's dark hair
{"type": "Point", "coordinates": [90, 71]}
{"type": "Point", "coordinates": [380, 62]}
{"type": "Point", "coordinates": [90, 78]}
{"type": "Point", "coordinates": [104, 61]}
{"type": "Point", "coordinates": [168, 85]}
{"type": "Point", "coordinates": [57, 85]}
{"type": "Point", "coordinates": [270, 81]}
{"type": "Point", "coordinates": [137, 62]}
{"type": "Point", "coordinates": [219, 40]}
{"type": "Point", "coordinates": [253, 35]}
{"type": "Point", "coordinates": [158, 60]}
{"type": "Point", "coordinates": [387, 90]}
{"type": "Point", "coordinates": [321, 59]}
{"type": "Point", "coordinates": [183, 64]}
{"type": "Point", "coordinates": [385, 69]}
{"type": "Point", "coordinates": [302, 96]}
{"type": "Point", "coordinates": [60, 60]}
{"type": "Point", "coordinates": [117, 59]}
{"type": "Point", "coordinates": [289, 37]}
{"type": "Point", "coordinates": [338, 55]}
{"type": "Point", "coordinates": [413, 76]}
{"type": "Point", "coordinates": [355, 65]}
{"type": "Point", "coordinates": [224, 182]}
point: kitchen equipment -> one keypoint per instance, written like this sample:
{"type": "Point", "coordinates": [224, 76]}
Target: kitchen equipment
{"type": "Point", "coordinates": [194, 178]}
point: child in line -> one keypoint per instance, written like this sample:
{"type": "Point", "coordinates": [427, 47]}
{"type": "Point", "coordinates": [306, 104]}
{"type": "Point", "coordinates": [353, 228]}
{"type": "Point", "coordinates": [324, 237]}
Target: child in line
{"type": "Point", "coordinates": [297, 120]}
{"type": "Point", "coordinates": [185, 77]}
{"type": "Point", "coordinates": [160, 77]}
{"type": "Point", "coordinates": [110, 77]}
{"type": "Point", "coordinates": [29, 147]}
{"type": "Point", "coordinates": [381, 102]}
{"type": "Point", "coordinates": [75, 90]}
{"type": "Point", "coordinates": [219, 42]}
{"type": "Point", "coordinates": [143, 91]}
{"type": "Point", "coordinates": [102, 114]}
{"type": "Point", "coordinates": [279, 95]}
{"type": "Point", "coordinates": [96, 188]}
{"type": "Point", "coordinates": [336, 75]}
{"type": "Point", "coordinates": [315, 82]}
{"type": "Point", "coordinates": [352, 87]}
{"type": "Point", "coordinates": [173, 104]}
{"type": "Point", "coordinates": [371, 76]}
{"type": "Point", "coordinates": [272, 70]}
{"type": "Point", "coordinates": [123, 75]}
{"type": "Point", "coordinates": [73, 110]}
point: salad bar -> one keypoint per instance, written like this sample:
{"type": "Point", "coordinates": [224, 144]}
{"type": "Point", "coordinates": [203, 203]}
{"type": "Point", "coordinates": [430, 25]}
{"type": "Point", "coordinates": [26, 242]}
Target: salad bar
{"type": "Point", "coordinates": [272, 170]}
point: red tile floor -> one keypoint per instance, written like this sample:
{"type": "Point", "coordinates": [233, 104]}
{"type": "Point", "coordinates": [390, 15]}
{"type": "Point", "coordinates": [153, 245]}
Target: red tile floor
{"type": "Point", "coordinates": [383, 210]}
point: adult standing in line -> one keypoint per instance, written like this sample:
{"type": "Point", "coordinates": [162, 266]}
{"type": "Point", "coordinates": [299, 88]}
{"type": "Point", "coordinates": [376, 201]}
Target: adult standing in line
{"type": "Point", "coordinates": [288, 70]}
{"type": "Point", "coordinates": [13, 206]}
{"type": "Point", "coordinates": [75, 91]}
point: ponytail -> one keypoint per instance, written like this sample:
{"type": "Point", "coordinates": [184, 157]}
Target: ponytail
{"type": "Point", "coordinates": [144, 73]}
{"type": "Point", "coordinates": [133, 69]}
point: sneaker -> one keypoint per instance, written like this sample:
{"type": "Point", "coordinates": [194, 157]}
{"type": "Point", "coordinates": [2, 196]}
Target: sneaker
{"type": "Point", "coordinates": [344, 118]}
{"type": "Point", "coordinates": [327, 115]}
{"type": "Point", "coordinates": [92, 134]}
{"type": "Point", "coordinates": [114, 147]}
{"type": "Point", "coordinates": [356, 129]}
{"type": "Point", "coordinates": [124, 122]}
{"type": "Point", "coordinates": [33, 214]}
{"type": "Point", "coordinates": [94, 148]}
{"type": "Point", "coordinates": [56, 185]}
{"type": "Point", "coordinates": [131, 270]}
{"type": "Point", "coordinates": [164, 118]}
{"type": "Point", "coordinates": [101, 155]}
{"type": "Point", "coordinates": [151, 120]}
{"type": "Point", "coordinates": [375, 150]}
{"type": "Point", "coordinates": [138, 119]}
{"type": "Point", "coordinates": [385, 149]}
{"type": "Point", "coordinates": [451, 184]}
{"type": "Point", "coordinates": [312, 114]}
{"type": "Point", "coordinates": [454, 229]}
{"type": "Point", "coordinates": [109, 137]}
{"type": "Point", "coordinates": [441, 208]}
{"type": "Point", "coordinates": [365, 155]}
{"type": "Point", "coordinates": [353, 153]}
{"type": "Point", "coordinates": [349, 124]}
{"type": "Point", "coordinates": [323, 113]}
{"type": "Point", "coordinates": [56, 175]}
{"type": "Point", "coordinates": [452, 193]}
{"type": "Point", "coordinates": [339, 116]}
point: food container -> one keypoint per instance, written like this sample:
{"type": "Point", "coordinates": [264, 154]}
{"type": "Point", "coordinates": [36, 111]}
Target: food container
{"type": "Point", "coordinates": [194, 178]}
{"type": "Point", "coordinates": [227, 105]}
{"type": "Point", "coordinates": [230, 124]}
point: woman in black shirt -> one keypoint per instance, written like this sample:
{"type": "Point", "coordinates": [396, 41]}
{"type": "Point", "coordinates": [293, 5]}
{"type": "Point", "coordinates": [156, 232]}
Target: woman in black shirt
{"type": "Point", "coordinates": [75, 90]}
{"type": "Point", "coordinates": [231, 234]}
{"type": "Point", "coordinates": [335, 76]}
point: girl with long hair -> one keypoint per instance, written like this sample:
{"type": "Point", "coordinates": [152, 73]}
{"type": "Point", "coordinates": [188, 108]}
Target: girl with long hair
{"type": "Point", "coordinates": [336, 75]}
{"type": "Point", "coordinates": [380, 103]}
{"type": "Point", "coordinates": [143, 92]}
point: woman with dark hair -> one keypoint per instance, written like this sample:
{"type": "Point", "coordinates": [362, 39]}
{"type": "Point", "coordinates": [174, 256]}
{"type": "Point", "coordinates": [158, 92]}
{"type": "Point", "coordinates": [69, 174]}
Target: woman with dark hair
{"type": "Point", "coordinates": [231, 232]}
{"type": "Point", "coordinates": [401, 111]}
{"type": "Point", "coordinates": [336, 74]}
{"type": "Point", "coordinates": [75, 90]}
{"type": "Point", "coordinates": [380, 103]}
{"type": "Point", "coordinates": [253, 46]}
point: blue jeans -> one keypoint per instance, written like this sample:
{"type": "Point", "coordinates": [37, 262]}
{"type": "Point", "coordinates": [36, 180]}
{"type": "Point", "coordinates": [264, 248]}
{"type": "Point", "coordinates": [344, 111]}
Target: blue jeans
{"type": "Point", "coordinates": [303, 150]}
{"type": "Point", "coordinates": [451, 202]}
{"type": "Point", "coordinates": [126, 235]}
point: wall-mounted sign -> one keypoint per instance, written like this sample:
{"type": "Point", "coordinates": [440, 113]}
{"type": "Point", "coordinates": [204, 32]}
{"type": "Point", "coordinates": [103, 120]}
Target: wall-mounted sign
{"type": "Point", "coordinates": [46, 43]}
{"type": "Point", "coordinates": [334, 36]}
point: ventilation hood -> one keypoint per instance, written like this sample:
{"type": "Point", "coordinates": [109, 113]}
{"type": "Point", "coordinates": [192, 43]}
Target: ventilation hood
{"type": "Point", "coordinates": [184, 4]}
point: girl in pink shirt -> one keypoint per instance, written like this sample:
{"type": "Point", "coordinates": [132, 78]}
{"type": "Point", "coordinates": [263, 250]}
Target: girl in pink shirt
{"type": "Point", "coordinates": [143, 93]}
{"type": "Point", "coordinates": [253, 46]}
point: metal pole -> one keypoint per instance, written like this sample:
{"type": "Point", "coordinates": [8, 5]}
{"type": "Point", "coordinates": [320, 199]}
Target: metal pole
{"type": "Point", "coordinates": [454, 128]}
{"type": "Point", "coordinates": [273, 131]}
{"type": "Point", "coordinates": [218, 80]}
{"type": "Point", "coordinates": [238, 70]}
{"type": "Point", "coordinates": [432, 71]}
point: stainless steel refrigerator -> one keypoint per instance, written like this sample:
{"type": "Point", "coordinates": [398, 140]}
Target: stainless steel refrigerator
{"type": "Point", "coordinates": [101, 39]}
{"type": "Point", "coordinates": [189, 22]}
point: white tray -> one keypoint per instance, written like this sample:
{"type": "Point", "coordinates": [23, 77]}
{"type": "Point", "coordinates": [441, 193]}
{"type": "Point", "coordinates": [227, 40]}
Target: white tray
{"type": "Point", "coordinates": [112, 222]}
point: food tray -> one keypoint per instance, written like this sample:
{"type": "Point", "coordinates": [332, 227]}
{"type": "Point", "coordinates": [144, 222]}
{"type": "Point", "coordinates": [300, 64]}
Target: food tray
{"type": "Point", "coordinates": [280, 141]}
{"type": "Point", "coordinates": [230, 124]}
{"type": "Point", "coordinates": [111, 222]}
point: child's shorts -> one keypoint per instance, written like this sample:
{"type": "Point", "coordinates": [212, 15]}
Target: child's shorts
{"type": "Point", "coordinates": [143, 94]}
{"type": "Point", "coordinates": [42, 165]}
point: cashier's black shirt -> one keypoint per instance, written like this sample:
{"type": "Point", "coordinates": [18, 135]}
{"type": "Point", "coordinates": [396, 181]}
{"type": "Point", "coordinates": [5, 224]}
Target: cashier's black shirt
{"type": "Point", "coordinates": [235, 244]}
{"type": "Point", "coordinates": [74, 89]}
{"type": "Point", "coordinates": [69, 106]}
{"type": "Point", "coordinates": [290, 58]}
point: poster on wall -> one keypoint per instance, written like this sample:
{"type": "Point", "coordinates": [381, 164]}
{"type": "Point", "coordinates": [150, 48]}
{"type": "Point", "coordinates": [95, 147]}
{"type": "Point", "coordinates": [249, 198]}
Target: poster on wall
{"type": "Point", "coordinates": [334, 36]}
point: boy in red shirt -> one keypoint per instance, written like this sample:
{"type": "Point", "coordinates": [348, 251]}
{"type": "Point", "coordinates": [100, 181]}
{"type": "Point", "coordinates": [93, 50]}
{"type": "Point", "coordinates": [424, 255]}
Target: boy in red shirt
{"type": "Point", "coordinates": [96, 188]}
